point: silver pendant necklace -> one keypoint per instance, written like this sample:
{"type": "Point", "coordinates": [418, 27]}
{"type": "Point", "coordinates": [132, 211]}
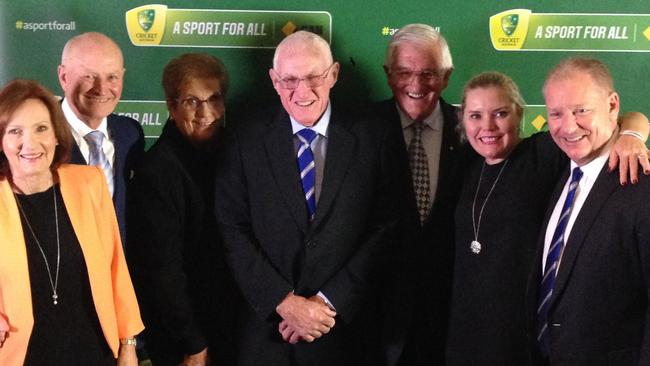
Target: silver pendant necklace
{"type": "Point", "coordinates": [475, 245]}
{"type": "Point", "coordinates": [54, 283]}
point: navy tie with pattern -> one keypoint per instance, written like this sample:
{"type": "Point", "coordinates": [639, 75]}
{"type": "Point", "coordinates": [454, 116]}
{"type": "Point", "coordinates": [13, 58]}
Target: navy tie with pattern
{"type": "Point", "coordinates": [552, 264]}
{"type": "Point", "coordinates": [420, 172]}
{"type": "Point", "coordinates": [306, 166]}
{"type": "Point", "coordinates": [95, 139]}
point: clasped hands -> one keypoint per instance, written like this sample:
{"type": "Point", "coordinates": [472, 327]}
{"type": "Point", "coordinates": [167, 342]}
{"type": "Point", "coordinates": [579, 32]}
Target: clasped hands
{"type": "Point", "coordinates": [304, 318]}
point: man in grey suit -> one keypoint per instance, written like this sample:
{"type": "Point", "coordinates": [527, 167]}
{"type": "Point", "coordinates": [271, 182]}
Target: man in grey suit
{"type": "Point", "coordinates": [304, 198]}
{"type": "Point", "coordinates": [588, 293]}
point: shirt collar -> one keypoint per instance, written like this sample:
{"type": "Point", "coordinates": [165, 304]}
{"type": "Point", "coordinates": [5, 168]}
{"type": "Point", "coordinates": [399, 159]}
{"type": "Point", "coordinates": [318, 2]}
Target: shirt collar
{"type": "Point", "coordinates": [592, 169]}
{"type": "Point", "coordinates": [320, 127]}
{"type": "Point", "coordinates": [434, 120]}
{"type": "Point", "coordinates": [80, 128]}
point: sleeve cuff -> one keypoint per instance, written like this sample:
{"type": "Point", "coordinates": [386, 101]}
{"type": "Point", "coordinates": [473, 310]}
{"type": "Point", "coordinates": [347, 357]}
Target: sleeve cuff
{"type": "Point", "coordinates": [327, 301]}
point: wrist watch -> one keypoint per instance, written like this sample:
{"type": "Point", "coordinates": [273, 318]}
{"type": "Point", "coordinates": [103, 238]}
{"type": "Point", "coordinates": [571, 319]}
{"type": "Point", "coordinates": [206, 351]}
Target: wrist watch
{"type": "Point", "coordinates": [128, 341]}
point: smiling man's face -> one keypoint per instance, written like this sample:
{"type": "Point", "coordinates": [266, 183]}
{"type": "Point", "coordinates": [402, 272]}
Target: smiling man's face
{"type": "Point", "coordinates": [582, 115]}
{"type": "Point", "coordinates": [306, 103]}
{"type": "Point", "coordinates": [416, 94]}
{"type": "Point", "coordinates": [91, 77]}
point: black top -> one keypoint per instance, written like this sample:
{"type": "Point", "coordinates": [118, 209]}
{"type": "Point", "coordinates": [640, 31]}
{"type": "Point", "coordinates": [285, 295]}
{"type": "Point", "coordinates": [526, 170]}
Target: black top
{"type": "Point", "coordinates": [67, 333]}
{"type": "Point", "coordinates": [487, 323]}
{"type": "Point", "coordinates": [176, 256]}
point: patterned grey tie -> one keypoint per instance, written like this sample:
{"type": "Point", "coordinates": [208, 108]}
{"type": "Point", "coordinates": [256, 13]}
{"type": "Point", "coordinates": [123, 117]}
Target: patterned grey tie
{"type": "Point", "coordinates": [97, 157]}
{"type": "Point", "coordinates": [420, 171]}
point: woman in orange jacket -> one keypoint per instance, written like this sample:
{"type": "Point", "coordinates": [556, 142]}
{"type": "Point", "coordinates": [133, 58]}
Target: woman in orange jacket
{"type": "Point", "coordinates": [66, 297]}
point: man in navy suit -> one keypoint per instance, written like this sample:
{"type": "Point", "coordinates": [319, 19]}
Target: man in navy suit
{"type": "Point", "coordinates": [91, 75]}
{"type": "Point", "coordinates": [588, 293]}
{"type": "Point", "coordinates": [305, 252]}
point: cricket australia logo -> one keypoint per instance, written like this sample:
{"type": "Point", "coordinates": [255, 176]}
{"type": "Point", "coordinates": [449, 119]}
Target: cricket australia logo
{"type": "Point", "coordinates": [509, 23]}
{"type": "Point", "coordinates": [146, 24]}
{"type": "Point", "coordinates": [146, 18]}
{"type": "Point", "coordinates": [508, 29]}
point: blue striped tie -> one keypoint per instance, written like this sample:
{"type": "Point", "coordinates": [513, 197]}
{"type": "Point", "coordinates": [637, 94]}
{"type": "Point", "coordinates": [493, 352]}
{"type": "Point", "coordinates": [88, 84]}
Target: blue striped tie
{"type": "Point", "coordinates": [307, 169]}
{"type": "Point", "coordinates": [552, 263]}
{"type": "Point", "coordinates": [95, 139]}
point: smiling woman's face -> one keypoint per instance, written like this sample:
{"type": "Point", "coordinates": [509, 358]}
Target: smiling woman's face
{"type": "Point", "coordinates": [29, 142]}
{"type": "Point", "coordinates": [490, 123]}
{"type": "Point", "coordinates": [199, 110]}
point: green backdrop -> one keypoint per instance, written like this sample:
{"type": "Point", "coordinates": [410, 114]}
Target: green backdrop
{"type": "Point", "coordinates": [32, 34]}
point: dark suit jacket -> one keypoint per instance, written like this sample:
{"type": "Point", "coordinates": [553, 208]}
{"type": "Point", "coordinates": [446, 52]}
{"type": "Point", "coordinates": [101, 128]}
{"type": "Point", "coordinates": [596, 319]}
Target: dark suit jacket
{"type": "Point", "coordinates": [599, 310]}
{"type": "Point", "coordinates": [126, 133]}
{"type": "Point", "coordinates": [272, 248]}
{"type": "Point", "coordinates": [420, 317]}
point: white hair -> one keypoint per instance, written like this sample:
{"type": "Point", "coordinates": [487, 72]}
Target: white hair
{"type": "Point", "coordinates": [304, 39]}
{"type": "Point", "coordinates": [421, 34]}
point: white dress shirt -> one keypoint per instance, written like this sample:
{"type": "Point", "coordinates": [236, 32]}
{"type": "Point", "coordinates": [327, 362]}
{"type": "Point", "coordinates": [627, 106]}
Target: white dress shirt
{"type": "Point", "coordinates": [590, 172]}
{"type": "Point", "coordinates": [318, 145]}
{"type": "Point", "coordinates": [80, 129]}
{"type": "Point", "coordinates": [431, 139]}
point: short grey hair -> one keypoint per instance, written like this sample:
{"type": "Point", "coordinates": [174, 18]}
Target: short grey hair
{"type": "Point", "coordinates": [421, 34]}
{"type": "Point", "coordinates": [596, 69]}
{"type": "Point", "coordinates": [304, 39]}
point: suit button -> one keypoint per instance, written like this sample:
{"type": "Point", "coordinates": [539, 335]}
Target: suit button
{"type": "Point", "coordinates": [311, 244]}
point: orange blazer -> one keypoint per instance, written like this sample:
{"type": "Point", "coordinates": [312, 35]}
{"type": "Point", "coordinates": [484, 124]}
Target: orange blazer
{"type": "Point", "coordinates": [91, 212]}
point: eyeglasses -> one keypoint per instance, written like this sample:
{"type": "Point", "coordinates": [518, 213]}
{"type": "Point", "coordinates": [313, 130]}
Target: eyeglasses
{"type": "Point", "coordinates": [311, 81]}
{"type": "Point", "coordinates": [427, 76]}
{"type": "Point", "coordinates": [215, 101]}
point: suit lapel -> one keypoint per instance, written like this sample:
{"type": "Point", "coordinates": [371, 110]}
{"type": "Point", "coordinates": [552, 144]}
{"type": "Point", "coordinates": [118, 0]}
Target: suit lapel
{"type": "Point", "coordinates": [604, 186]}
{"type": "Point", "coordinates": [278, 143]}
{"type": "Point", "coordinates": [115, 134]}
{"type": "Point", "coordinates": [76, 157]}
{"type": "Point", "coordinates": [340, 149]}
{"type": "Point", "coordinates": [449, 150]}
{"type": "Point", "coordinates": [390, 112]}
{"type": "Point", "coordinates": [75, 154]}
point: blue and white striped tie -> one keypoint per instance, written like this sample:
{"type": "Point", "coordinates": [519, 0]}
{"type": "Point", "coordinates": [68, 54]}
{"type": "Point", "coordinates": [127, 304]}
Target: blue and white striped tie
{"type": "Point", "coordinates": [552, 264]}
{"type": "Point", "coordinates": [306, 166]}
{"type": "Point", "coordinates": [95, 140]}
